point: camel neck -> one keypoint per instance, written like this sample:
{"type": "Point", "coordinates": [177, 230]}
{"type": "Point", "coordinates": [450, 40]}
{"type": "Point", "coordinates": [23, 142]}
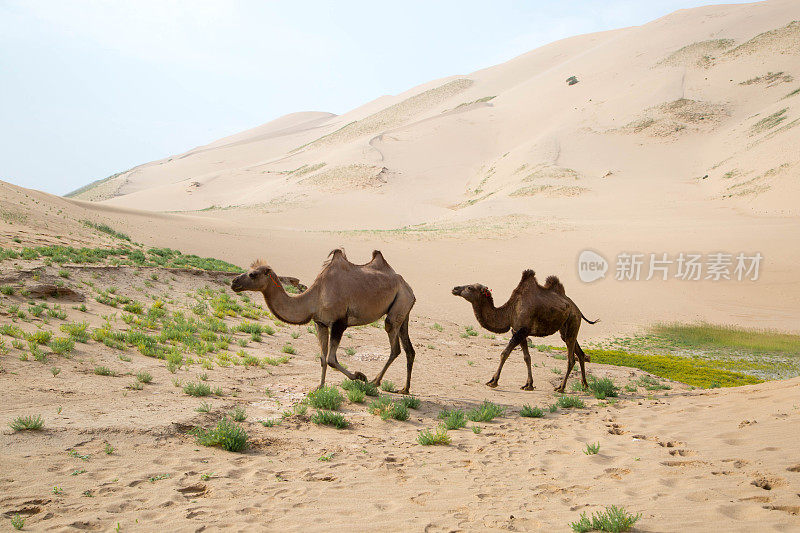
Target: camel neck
{"type": "Point", "coordinates": [495, 319]}
{"type": "Point", "coordinates": [292, 309]}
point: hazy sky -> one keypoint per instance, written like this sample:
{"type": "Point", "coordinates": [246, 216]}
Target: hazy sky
{"type": "Point", "coordinates": [90, 88]}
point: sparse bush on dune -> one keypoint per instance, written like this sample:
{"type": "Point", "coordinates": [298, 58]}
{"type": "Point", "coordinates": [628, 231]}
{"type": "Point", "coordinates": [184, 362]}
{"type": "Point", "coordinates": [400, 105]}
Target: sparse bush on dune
{"type": "Point", "coordinates": [453, 418]}
{"type": "Point", "coordinates": [327, 397]}
{"type": "Point", "coordinates": [365, 386]}
{"type": "Point", "coordinates": [329, 418]}
{"type": "Point", "coordinates": [531, 412]}
{"type": "Point", "coordinates": [485, 412]}
{"type": "Point", "coordinates": [226, 435]}
{"type": "Point", "coordinates": [439, 437]}
{"type": "Point", "coordinates": [613, 519]}
{"type": "Point", "coordinates": [27, 423]}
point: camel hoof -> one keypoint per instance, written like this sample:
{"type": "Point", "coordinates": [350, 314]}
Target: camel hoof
{"type": "Point", "coordinates": [405, 391]}
{"type": "Point", "coordinates": [492, 384]}
{"type": "Point", "coordinates": [359, 376]}
{"type": "Point", "coordinates": [527, 387]}
{"type": "Point", "coordinates": [559, 389]}
{"type": "Point", "coordinates": [375, 382]}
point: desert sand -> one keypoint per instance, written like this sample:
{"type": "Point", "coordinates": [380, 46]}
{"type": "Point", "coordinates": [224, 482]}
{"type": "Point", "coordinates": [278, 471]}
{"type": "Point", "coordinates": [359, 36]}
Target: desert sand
{"type": "Point", "coordinates": [680, 136]}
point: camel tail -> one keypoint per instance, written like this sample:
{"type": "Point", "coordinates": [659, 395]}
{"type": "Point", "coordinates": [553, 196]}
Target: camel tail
{"type": "Point", "coordinates": [581, 353]}
{"type": "Point", "coordinates": [590, 321]}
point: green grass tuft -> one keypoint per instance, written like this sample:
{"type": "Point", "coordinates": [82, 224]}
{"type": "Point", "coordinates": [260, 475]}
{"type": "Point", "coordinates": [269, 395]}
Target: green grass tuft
{"type": "Point", "coordinates": [27, 423]}
{"type": "Point", "coordinates": [197, 389]}
{"type": "Point", "coordinates": [329, 418]}
{"type": "Point", "coordinates": [226, 435]}
{"type": "Point", "coordinates": [569, 402]}
{"type": "Point", "coordinates": [592, 449]}
{"type": "Point", "coordinates": [356, 395]}
{"type": "Point", "coordinates": [365, 386]}
{"type": "Point", "coordinates": [603, 388]}
{"type": "Point", "coordinates": [412, 402]}
{"type": "Point", "coordinates": [614, 519]}
{"type": "Point", "coordinates": [327, 397]}
{"type": "Point", "coordinates": [453, 418]}
{"type": "Point", "coordinates": [485, 412]}
{"type": "Point", "coordinates": [531, 412]}
{"type": "Point", "coordinates": [438, 438]}
{"type": "Point", "coordinates": [388, 386]}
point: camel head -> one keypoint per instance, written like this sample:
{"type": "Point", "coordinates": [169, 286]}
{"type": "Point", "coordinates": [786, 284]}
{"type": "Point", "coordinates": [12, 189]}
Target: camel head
{"type": "Point", "coordinates": [473, 293]}
{"type": "Point", "coordinates": [256, 279]}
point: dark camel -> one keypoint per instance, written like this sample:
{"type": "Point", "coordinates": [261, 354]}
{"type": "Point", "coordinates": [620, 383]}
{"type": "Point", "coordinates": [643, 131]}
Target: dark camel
{"type": "Point", "coordinates": [344, 294]}
{"type": "Point", "coordinates": [535, 310]}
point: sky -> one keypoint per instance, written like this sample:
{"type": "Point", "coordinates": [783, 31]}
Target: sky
{"type": "Point", "coordinates": [89, 88]}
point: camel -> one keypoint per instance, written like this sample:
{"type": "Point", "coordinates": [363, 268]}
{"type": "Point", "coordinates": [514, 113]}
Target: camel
{"type": "Point", "coordinates": [532, 309]}
{"type": "Point", "coordinates": [343, 295]}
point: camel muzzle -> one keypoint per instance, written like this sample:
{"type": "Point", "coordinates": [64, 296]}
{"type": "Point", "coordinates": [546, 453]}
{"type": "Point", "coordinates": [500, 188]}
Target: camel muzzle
{"type": "Point", "coordinates": [236, 285]}
{"type": "Point", "coordinates": [457, 291]}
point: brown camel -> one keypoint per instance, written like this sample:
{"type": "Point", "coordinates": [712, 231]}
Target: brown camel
{"type": "Point", "coordinates": [344, 294]}
{"type": "Point", "coordinates": [532, 309]}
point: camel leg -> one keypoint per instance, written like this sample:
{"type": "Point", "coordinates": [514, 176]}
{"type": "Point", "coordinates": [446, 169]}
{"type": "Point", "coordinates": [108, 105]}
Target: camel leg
{"type": "Point", "coordinates": [581, 359]}
{"type": "Point", "coordinates": [570, 363]}
{"type": "Point", "coordinates": [515, 339]}
{"type": "Point", "coordinates": [323, 332]}
{"type": "Point", "coordinates": [337, 330]}
{"type": "Point", "coordinates": [527, 356]}
{"type": "Point", "coordinates": [410, 354]}
{"type": "Point", "coordinates": [394, 347]}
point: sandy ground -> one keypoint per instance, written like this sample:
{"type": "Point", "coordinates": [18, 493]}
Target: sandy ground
{"type": "Point", "coordinates": [706, 460]}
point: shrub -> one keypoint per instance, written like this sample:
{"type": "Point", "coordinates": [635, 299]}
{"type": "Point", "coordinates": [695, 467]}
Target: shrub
{"type": "Point", "coordinates": [568, 402]}
{"type": "Point", "coordinates": [78, 332]}
{"type": "Point", "coordinates": [226, 435]}
{"type": "Point", "coordinates": [386, 409]}
{"type": "Point", "coordinates": [197, 389]}
{"type": "Point", "coordinates": [239, 414]}
{"type": "Point", "coordinates": [62, 345]}
{"type": "Point", "coordinates": [437, 327]}
{"type": "Point", "coordinates": [103, 371]}
{"type": "Point", "coordinates": [388, 386]}
{"type": "Point", "coordinates": [39, 337]}
{"type": "Point", "coordinates": [133, 307]}
{"type": "Point", "coordinates": [412, 402]}
{"type": "Point", "coordinates": [365, 386]}
{"type": "Point", "coordinates": [287, 348]}
{"type": "Point", "coordinates": [614, 519]}
{"type": "Point", "coordinates": [485, 412]}
{"type": "Point", "coordinates": [8, 290]}
{"type": "Point", "coordinates": [603, 388]}
{"type": "Point", "coordinates": [356, 395]}
{"type": "Point", "coordinates": [453, 419]}
{"type": "Point", "coordinates": [329, 418]}
{"type": "Point", "coordinates": [428, 438]}
{"type": "Point", "coordinates": [144, 377]}
{"type": "Point", "coordinates": [327, 397]}
{"type": "Point", "coordinates": [27, 423]}
{"type": "Point", "coordinates": [531, 412]}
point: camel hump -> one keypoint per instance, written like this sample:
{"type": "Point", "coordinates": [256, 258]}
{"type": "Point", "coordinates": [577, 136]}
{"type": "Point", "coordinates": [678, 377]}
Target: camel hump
{"type": "Point", "coordinates": [527, 274]}
{"type": "Point", "coordinates": [379, 262]}
{"type": "Point", "coordinates": [554, 284]}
